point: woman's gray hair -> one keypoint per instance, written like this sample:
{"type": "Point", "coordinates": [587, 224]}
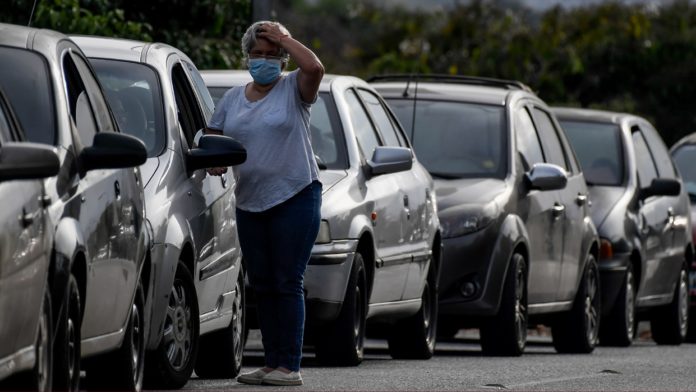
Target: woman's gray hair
{"type": "Point", "coordinates": [249, 38]}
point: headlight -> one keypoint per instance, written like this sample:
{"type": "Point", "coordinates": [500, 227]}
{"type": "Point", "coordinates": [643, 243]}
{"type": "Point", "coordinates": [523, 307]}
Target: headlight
{"type": "Point", "coordinates": [459, 225]}
{"type": "Point", "coordinates": [324, 236]}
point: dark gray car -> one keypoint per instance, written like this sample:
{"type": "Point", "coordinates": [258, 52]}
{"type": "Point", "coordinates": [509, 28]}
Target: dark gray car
{"type": "Point", "coordinates": [642, 215]}
{"type": "Point", "coordinates": [519, 245]}
{"type": "Point", "coordinates": [98, 270]}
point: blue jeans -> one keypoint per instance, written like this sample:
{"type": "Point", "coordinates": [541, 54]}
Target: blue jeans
{"type": "Point", "coordinates": [276, 245]}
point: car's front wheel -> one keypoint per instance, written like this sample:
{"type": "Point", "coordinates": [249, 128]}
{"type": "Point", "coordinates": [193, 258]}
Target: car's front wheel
{"type": "Point", "coordinates": [66, 368]}
{"type": "Point", "coordinates": [342, 341]}
{"type": "Point", "coordinates": [618, 327]}
{"type": "Point", "coordinates": [577, 330]}
{"type": "Point", "coordinates": [506, 332]}
{"type": "Point", "coordinates": [669, 323]}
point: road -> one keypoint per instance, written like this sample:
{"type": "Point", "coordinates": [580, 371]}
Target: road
{"type": "Point", "coordinates": [459, 366]}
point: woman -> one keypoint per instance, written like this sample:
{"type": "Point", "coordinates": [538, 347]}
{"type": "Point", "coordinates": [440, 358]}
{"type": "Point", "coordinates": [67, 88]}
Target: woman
{"type": "Point", "coordinates": [278, 192]}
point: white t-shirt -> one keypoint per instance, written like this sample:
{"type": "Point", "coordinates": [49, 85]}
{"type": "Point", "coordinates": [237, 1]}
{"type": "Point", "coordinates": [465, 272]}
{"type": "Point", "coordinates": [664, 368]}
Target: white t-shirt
{"type": "Point", "coordinates": [275, 132]}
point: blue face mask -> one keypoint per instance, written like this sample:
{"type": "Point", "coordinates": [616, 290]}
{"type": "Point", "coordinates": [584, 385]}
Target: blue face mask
{"type": "Point", "coordinates": [264, 71]}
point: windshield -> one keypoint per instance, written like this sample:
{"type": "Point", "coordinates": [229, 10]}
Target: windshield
{"type": "Point", "coordinates": [25, 79]}
{"type": "Point", "coordinates": [456, 139]}
{"type": "Point", "coordinates": [598, 148]}
{"type": "Point", "coordinates": [684, 157]}
{"type": "Point", "coordinates": [133, 92]}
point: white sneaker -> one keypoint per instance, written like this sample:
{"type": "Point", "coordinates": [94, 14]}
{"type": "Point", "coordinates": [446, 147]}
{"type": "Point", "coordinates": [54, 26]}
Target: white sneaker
{"type": "Point", "coordinates": [253, 378]}
{"type": "Point", "coordinates": [278, 377]}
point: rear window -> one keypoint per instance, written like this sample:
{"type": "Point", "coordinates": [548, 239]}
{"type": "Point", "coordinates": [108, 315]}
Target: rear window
{"type": "Point", "coordinates": [456, 139]}
{"type": "Point", "coordinates": [684, 157]}
{"type": "Point", "coordinates": [599, 150]}
{"type": "Point", "coordinates": [26, 80]}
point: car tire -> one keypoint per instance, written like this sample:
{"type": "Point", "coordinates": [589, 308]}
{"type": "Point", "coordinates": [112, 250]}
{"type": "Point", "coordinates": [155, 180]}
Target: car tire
{"type": "Point", "coordinates": [170, 365]}
{"type": "Point", "coordinates": [577, 331]}
{"type": "Point", "coordinates": [220, 353]}
{"type": "Point", "coordinates": [414, 337]}
{"type": "Point", "coordinates": [618, 328]}
{"type": "Point", "coordinates": [342, 341]}
{"type": "Point", "coordinates": [66, 355]}
{"type": "Point", "coordinates": [123, 369]}
{"type": "Point", "coordinates": [691, 333]}
{"type": "Point", "coordinates": [670, 323]}
{"type": "Point", "coordinates": [505, 334]}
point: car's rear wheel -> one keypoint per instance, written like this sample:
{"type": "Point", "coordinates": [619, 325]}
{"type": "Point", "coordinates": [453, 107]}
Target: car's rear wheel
{"type": "Point", "coordinates": [342, 341]}
{"type": "Point", "coordinates": [66, 366]}
{"type": "Point", "coordinates": [577, 331]}
{"type": "Point", "coordinates": [618, 327]}
{"type": "Point", "coordinates": [220, 352]}
{"type": "Point", "coordinates": [170, 365]}
{"type": "Point", "coordinates": [670, 323]}
{"type": "Point", "coordinates": [414, 337]}
{"type": "Point", "coordinates": [123, 369]}
{"type": "Point", "coordinates": [506, 332]}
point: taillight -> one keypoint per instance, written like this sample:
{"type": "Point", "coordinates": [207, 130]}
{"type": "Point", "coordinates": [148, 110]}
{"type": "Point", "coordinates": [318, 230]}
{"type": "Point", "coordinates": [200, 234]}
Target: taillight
{"type": "Point", "coordinates": [605, 250]}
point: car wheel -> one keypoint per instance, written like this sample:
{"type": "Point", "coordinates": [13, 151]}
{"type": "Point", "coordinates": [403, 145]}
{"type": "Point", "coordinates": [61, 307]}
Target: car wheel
{"type": "Point", "coordinates": [123, 369]}
{"type": "Point", "coordinates": [220, 352]}
{"type": "Point", "coordinates": [669, 323]}
{"type": "Point", "coordinates": [66, 367]}
{"type": "Point", "coordinates": [618, 327]}
{"type": "Point", "coordinates": [414, 337]}
{"type": "Point", "coordinates": [691, 333]}
{"type": "Point", "coordinates": [342, 342]}
{"type": "Point", "coordinates": [577, 330]}
{"type": "Point", "coordinates": [170, 365]}
{"type": "Point", "coordinates": [506, 332]}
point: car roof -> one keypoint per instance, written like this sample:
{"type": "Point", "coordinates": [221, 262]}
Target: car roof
{"type": "Point", "coordinates": [123, 49]}
{"type": "Point", "coordinates": [26, 37]}
{"type": "Point", "coordinates": [592, 115]}
{"type": "Point", "coordinates": [237, 77]}
{"type": "Point", "coordinates": [686, 140]}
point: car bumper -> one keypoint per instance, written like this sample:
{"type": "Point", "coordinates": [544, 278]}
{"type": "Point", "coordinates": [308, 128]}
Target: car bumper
{"type": "Point", "coordinates": [612, 273]}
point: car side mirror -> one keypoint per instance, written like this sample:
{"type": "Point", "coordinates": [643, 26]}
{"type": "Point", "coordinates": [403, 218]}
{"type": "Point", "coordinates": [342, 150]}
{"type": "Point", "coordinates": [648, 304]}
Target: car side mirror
{"type": "Point", "coordinates": [390, 160]}
{"type": "Point", "coordinates": [661, 187]}
{"type": "Point", "coordinates": [215, 151]}
{"type": "Point", "coordinates": [26, 161]}
{"type": "Point", "coordinates": [112, 150]}
{"type": "Point", "coordinates": [546, 177]}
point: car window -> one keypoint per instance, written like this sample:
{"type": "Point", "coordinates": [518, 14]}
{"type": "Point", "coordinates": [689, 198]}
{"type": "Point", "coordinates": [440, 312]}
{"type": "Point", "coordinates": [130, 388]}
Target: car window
{"type": "Point", "coordinates": [644, 161]}
{"type": "Point", "coordinates": [456, 139]}
{"type": "Point", "coordinates": [134, 93]}
{"type": "Point", "coordinates": [5, 133]}
{"type": "Point", "coordinates": [665, 168]}
{"type": "Point", "coordinates": [25, 78]}
{"type": "Point", "coordinates": [364, 131]}
{"type": "Point", "coordinates": [200, 87]}
{"type": "Point", "coordinates": [684, 158]}
{"type": "Point", "coordinates": [553, 150]}
{"type": "Point", "coordinates": [384, 123]}
{"type": "Point", "coordinates": [599, 149]}
{"type": "Point", "coordinates": [189, 114]}
{"type": "Point", "coordinates": [98, 104]}
{"type": "Point", "coordinates": [327, 138]}
{"type": "Point", "coordinates": [78, 101]}
{"type": "Point", "coordinates": [527, 138]}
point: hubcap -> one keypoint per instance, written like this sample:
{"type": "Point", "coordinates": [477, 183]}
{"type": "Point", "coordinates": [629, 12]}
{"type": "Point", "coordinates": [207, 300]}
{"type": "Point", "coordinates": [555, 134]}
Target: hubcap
{"type": "Point", "coordinates": [177, 328]}
{"type": "Point", "coordinates": [72, 355]}
{"type": "Point", "coordinates": [630, 306]}
{"type": "Point", "coordinates": [136, 342]}
{"type": "Point", "coordinates": [520, 307]}
{"type": "Point", "coordinates": [237, 323]}
{"type": "Point", "coordinates": [429, 332]}
{"type": "Point", "coordinates": [42, 357]}
{"type": "Point", "coordinates": [357, 320]}
{"type": "Point", "coordinates": [591, 314]}
{"type": "Point", "coordinates": [683, 304]}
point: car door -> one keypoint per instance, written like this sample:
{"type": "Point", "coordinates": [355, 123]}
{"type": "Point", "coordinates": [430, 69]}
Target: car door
{"type": "Point", "coordinates": [540, 212]}
{"type": "Point", "coordinates": [23, 252]}
{"type": "Point", "coordinates": [412, 188]}
{"type": "Point", "coordinates": [211, 204]}
{"type": "Point", "coordinates": [385, 205]}
{"type": "Point", "coordinates": [572, 199]}
{"type": "Point", "coordinates": [103, 204]}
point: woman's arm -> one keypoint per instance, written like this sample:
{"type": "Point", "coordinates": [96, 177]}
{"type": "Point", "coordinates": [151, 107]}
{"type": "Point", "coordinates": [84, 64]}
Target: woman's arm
{"type": "Point", "coordinates": [311, 68]}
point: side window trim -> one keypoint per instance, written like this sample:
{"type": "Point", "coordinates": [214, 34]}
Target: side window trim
{"type": "Point", "coordinates": [636, 129]}
{"type": "Point", "coordinates": [525, 106]}
{"type": "Point", "coordinates": [380, 138]}
{"type": "Point", "coordinates": [185, 96]}
{"type": "Point", "coordinates": [554, 129]}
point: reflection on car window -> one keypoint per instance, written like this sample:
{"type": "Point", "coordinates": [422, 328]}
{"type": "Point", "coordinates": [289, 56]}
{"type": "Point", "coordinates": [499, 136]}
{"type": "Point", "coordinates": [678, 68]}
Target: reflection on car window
{"type": "Point", "coordinates": [133, 92]}
{"type": "Point", "coordinates": [78, 101]}
{"type": "Point", "coordinates": [384, 123]}
{"type": "Point", "coordinates": [325, 133]}
{"type": "Point", "coordinates": [364, 132]}
{"type": "Point", "coordinates": [550, 140]}
{"type": "Point", "coordinates": [598, 147]}
{"type": "Point", "coordinates": [455, 139]}
{"type": "Point", "coordinates": [4, 127]}
{"type": "Point", "coordinates": [199, 85]}
{"type": "Point", "coordinates": [24, 77]}
{"type": "Point", "coordinates": [644, 161]}
{"type": "Point", "coordinates": [684, 158]}
{"type": "Point", "coordinates": [527, 138]}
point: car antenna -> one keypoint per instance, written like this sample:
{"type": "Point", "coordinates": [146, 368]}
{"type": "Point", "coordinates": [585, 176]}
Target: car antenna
{"type": "Point", "coordinates": [31, 16]}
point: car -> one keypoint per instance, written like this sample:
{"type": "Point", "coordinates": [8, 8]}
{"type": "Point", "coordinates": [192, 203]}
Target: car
{"type": "Point", "coordinates": [376, 257]}
{"type": "Point", "coordinates": [519, 246]}
{"type": "Point", "coordinates": [642, 215]}
{"type": "Point", "coordinates": [682, 151]}
{"type": "Point", "coordinates": [25, 240]}
{"type": "Point", "coordinates": [99, 241]}
{"type": "Point", "coordinates": [158, 96]}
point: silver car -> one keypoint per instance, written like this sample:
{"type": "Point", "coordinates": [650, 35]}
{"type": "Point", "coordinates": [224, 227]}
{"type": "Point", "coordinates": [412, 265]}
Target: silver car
{"type": "Point", "coordinates": [377, 254]}
{"type": "Point", "coordinates": [157, 94]}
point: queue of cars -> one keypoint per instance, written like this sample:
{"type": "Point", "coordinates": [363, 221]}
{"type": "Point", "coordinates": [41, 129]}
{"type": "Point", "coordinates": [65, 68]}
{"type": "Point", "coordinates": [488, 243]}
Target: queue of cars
{"type": "Point", "coordinates": [448, 202]}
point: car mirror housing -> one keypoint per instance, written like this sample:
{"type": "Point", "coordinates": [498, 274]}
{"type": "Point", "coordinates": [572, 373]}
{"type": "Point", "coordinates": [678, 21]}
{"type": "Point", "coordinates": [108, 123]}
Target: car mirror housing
{"type": "Point", "coordinates": [661, 187]}
{"type": "Point", "coordinates": [390, 160]}
{"type": "Point", "coordinates": [111, 150]}
{"type": "Point", "coordinates": [26, 161]}
{"type": "Point", "coordinates": [546, 177]}
{"type": "Point", "coordinates": [215, 151]}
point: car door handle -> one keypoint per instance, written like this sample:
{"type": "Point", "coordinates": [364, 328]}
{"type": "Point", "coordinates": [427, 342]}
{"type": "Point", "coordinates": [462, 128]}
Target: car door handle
{"type": "Point", "coordinates": [406, 207]}
{"type": "Point", "coordinates": [581, 199]}
{"type": "Point", "coordinates": [26, 218]}
{"type": "Point", "coordinates": [557, 210]}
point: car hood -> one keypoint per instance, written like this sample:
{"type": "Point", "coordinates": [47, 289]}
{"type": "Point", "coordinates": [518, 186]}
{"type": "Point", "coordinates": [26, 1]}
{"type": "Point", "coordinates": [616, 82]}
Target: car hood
{"type": "Point", "coordinates": [480, 191]}
{"type": "Point", "coordinates": [329, 178]}
{"type": "Point", "coordinates": [603, 199]}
